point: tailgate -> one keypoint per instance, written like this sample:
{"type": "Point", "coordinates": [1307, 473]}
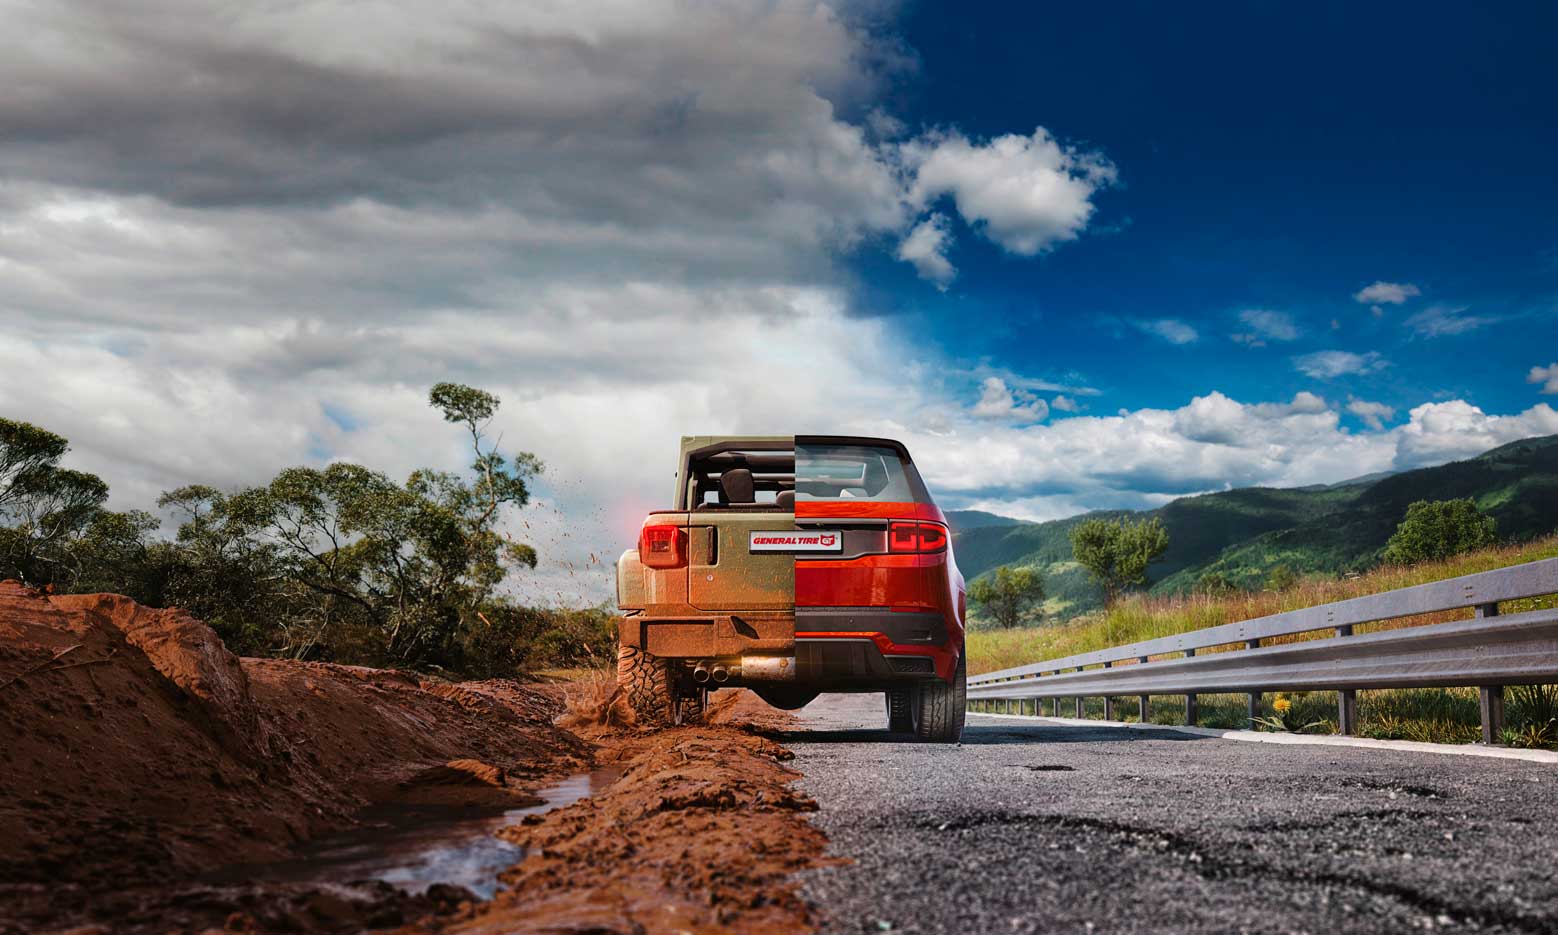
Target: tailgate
{"type": "Point", "coordinates": [725, 574]}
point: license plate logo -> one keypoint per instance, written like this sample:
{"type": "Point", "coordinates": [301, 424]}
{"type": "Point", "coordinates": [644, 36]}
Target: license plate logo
{"type": "Point", "coordinates": [814, 541]}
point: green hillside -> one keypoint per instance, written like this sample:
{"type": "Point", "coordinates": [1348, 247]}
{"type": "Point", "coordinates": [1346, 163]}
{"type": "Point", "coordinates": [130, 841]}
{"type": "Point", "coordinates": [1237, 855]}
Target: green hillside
{"type": "Point", "coordinates": [1244, 533]}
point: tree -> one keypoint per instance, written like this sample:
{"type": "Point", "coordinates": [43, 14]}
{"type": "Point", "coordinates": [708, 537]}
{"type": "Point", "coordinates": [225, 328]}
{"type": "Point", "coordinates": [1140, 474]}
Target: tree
{"type": "Point", "coordinates": [1117, 552]}
{"type": "Point", "coordinates": [53, 528]}
{"type": "Point", "coordinates": [339, 563]}
{"type": "Point", "coordinates": [1437, 529]}
{"type": "Point", "coordinates": [1007, 593]}
{"type": "Point", "coordinates": [345, 550]}
{"type": "Point", "coordinates": [28, 454]}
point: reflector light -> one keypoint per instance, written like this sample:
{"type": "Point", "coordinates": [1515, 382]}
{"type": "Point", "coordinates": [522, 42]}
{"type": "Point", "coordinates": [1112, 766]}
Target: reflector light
{"type": "Point", "coordinates": [903, 537]}
{"type": "Point", "coordinates": [661, 547]}
{"type": "Point", "coordinates": [909, 536]}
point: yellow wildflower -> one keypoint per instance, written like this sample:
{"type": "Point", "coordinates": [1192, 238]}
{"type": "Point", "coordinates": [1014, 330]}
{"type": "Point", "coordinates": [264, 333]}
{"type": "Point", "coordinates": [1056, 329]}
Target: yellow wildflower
{"type": "Point", "coordinates": [1282, 705]}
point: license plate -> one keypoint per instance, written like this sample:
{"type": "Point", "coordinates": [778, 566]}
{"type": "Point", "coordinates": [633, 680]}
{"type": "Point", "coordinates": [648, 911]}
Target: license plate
{"type": "Point", "coordinates": [816, 540]}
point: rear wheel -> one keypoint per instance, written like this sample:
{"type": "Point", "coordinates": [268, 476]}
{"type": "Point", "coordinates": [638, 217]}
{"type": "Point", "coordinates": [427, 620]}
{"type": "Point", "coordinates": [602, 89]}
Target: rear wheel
{"type": "Point", "coordinates": [900, 710]}
{"type": "Point", "coordinates": [942, 707]}
{"type": "Point", "coordinates": [648, 683]}
{"type": "Point", "coordinates": [689, 703]}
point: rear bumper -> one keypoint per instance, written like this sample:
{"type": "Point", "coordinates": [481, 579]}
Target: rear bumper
{"type": "Point", "coordinates": [857, 664]}
{"type": "Point", "coordinates": [758, 633]}
{"type": "Point", "coordinates": [860, 648]}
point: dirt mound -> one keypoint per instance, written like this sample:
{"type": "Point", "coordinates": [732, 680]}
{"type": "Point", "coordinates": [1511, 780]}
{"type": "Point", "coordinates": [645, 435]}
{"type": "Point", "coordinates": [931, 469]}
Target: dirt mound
{"type": "Point", "coordinates": [139, 752]}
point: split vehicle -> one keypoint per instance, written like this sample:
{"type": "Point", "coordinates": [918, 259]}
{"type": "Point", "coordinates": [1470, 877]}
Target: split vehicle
{"type": "Point", "coordinates": [792, 566]}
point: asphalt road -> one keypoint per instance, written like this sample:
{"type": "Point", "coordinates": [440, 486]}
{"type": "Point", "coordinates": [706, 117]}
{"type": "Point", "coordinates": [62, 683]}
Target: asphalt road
{"type": "Point", "coordinates": [1033, 828]}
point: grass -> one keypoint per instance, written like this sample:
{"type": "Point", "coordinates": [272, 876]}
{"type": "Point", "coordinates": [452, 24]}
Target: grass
{"type": "Point", "coordinates": [1443, 715]}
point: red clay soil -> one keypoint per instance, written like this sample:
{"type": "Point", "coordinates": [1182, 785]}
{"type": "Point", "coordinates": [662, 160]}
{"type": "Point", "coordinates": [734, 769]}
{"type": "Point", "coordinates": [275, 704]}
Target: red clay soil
{"type": "Point", "coordinates": [138, 756]}
{"type": "Point", "coordinates": [699, 835]}
{"type": "Point", "coordinates": [137, 753]}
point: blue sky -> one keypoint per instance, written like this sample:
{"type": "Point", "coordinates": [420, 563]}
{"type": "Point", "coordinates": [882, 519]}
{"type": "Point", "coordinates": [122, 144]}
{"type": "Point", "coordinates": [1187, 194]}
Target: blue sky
{"type": "Point", "coordinates": [1075, 260]}
{"type": "Point", "coordinates": [1268, 160]}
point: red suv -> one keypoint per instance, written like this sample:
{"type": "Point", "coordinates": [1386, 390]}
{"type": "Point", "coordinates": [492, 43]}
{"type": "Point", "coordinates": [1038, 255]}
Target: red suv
{"type": "Point", "coordinates": [795, 565]}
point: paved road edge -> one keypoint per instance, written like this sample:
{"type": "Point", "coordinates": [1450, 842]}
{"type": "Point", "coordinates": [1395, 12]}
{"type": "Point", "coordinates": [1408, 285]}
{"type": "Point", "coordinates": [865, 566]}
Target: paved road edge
{"type": "Point", "coordinates": [1318, 740]}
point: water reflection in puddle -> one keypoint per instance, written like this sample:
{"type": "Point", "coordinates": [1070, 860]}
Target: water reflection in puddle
{"type": "Point", "coordinates": [414, 847]}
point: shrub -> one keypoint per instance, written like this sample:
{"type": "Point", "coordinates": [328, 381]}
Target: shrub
{"type": "Point", "coordinates": [1007, 593]}
{"type": "Point", "coordinates": [1434, 530]}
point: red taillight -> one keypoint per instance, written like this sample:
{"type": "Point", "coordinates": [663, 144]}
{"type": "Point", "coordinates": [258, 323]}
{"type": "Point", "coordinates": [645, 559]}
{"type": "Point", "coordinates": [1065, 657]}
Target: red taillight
{"type": "Point", "coordinates": [906, 536]}
{"type": "Point", "coordinates": [661, 547]}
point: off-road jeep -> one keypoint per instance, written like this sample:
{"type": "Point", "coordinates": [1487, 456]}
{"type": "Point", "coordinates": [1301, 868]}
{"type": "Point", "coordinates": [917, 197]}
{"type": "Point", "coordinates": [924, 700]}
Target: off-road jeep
{"type": "Point", "coordinates": [792, 566]}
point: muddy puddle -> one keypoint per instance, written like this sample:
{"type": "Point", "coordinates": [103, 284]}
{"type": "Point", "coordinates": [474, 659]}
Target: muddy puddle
{"type": "Point", "coordinates": [413, 847]}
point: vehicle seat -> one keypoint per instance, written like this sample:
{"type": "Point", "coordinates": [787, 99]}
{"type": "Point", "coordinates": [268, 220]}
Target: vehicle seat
{"type": "Point", "coordinates": [736, 486]}
{"type": "Point", "coordinates": [786, 500]}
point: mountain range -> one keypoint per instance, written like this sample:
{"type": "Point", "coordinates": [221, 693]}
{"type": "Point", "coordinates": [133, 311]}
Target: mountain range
{"type": "Point", "coordinates": [1245, 533]}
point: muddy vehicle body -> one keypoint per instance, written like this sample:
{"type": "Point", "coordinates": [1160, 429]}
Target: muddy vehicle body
{"type": "Point", "coordinates": [792, 566]}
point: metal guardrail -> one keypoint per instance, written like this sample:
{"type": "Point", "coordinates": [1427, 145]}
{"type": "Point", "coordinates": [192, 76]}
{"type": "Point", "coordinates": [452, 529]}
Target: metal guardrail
{"type": "Point", "coordinates": [1487, 652]}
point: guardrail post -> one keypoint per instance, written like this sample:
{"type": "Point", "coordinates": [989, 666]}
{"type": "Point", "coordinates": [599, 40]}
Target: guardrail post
{"type": "Point", "coordinates": [1078, 700]}
{"type": "Point", "coordinates": [1252, 702]}
{"type": "Point", "coordinates": [1192, 710]}
{"type": "Point", "coordinates": [1108, 701]}
{"type": "Point", "coordinates": [1143, 700]}
{"type": "Point", "coordinates": [1347, 711]}
{"type": "Point", "coordinates": [1346, 699]}
{"type": "Point", "coordinates": [1490, 698]}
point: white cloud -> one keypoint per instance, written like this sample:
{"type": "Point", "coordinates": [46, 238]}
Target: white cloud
{"type": "Point", "coordinates": [1025, 193]}
{"type": "Point", "coordinates": [1064, 403]}
{"type": "Point", "coordinates": [1547, 376]}
{"type": "Point", "coordinates": [1386, 293]}
{"type": "Point", "coordinates": [926, 248]}
{"type": "Point", "coordinates": [999, 401]}
{"type": "Point", "coordinates": [1144, 457]}
{"type": "Point", "coordinates": [1265, 325]}
{"type": "Point", "coordinates": [1438, 432]}
{"type": "Point", "coordinates": [1371, 414]}
{"type": "Point", "coordinates": [1440, 320]}
{"type": "Point", "coordinates": [1171, 330]}
{"type": "Point", "coordinates": [241, 236]}
{"type": "Point", "coordinates": [1326, 365]}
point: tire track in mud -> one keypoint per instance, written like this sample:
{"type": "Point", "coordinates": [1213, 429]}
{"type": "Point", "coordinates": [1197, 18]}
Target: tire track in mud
{"type": "Point", "coordinates": [702, 833]}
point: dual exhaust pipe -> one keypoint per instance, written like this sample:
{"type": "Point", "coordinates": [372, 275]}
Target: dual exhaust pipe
{"type": "Point", "coordinates": [718, 674]}
{"type": "Point", "coordinates": [751, 668]}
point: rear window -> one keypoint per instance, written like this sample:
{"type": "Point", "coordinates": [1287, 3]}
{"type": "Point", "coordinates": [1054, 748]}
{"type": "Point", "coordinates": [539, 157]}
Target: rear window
{"type": "Point", "coordinates": [855, 472]}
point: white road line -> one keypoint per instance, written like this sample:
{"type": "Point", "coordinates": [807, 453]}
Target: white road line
{"type": "Point", "coordinates": [1318, 740]}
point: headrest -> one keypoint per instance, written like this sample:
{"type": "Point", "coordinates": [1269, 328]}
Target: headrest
{"type": "Point", "coordinates": [735, 486]}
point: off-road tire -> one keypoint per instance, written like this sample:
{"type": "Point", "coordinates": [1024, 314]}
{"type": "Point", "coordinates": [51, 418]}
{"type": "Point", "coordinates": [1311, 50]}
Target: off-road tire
{"type": "Point", "coordinates": [942, 707]}
{"type": "Point", "coordinates": [646, 683]}
{"type": "Point", "coordinates": [690, 705]}
{"type": "Point", "coordinates": [900, 710]}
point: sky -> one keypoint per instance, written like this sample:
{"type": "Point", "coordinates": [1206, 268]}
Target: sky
{"type": "Point", "coordinates": [1076, 260]}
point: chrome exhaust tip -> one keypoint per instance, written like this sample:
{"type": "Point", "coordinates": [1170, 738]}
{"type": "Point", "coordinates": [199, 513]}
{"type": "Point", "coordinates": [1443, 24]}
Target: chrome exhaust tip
{"type": "Point", "coordinates": [721, 674]}
{"type": "Point", "coordinates": [700, 675]}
